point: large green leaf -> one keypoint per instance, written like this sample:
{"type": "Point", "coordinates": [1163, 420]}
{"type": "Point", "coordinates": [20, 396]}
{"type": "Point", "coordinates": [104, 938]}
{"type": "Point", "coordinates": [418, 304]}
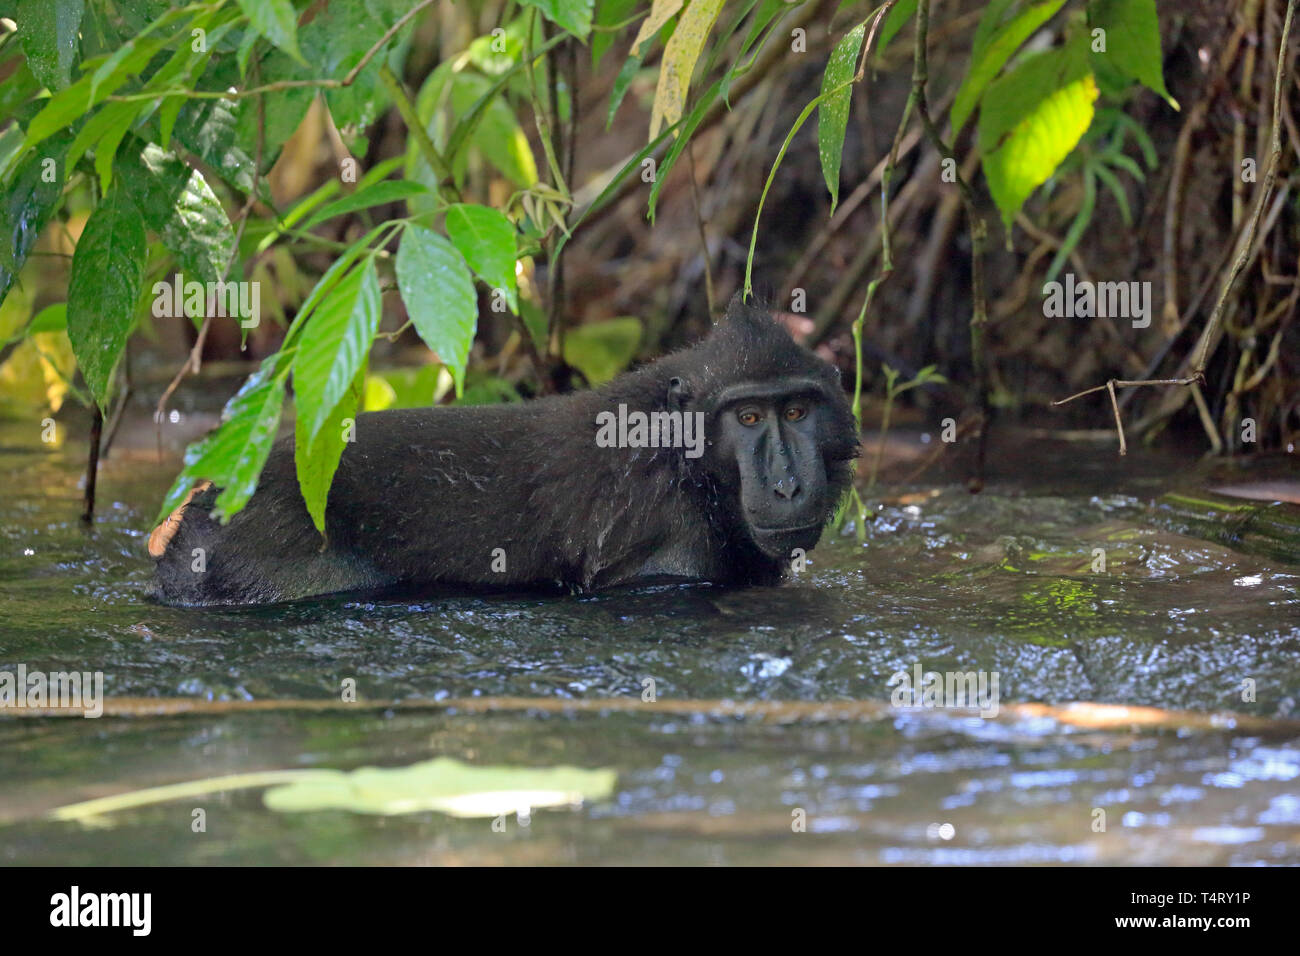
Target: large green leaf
{"type": "Point", "coordinates": [317, 459]}
{"type": "Point", "coordinates": [1030, 120]}
{"type": "Point", "coordinates": [445, 785]}
{"type": "Point", "coordinates": [334, 344]}
{"type": "Point", "coordinates": [33, 195]}
{"type": "Point", "coordinates": [600, 350]}
{"type": "Point", "coordinates": [75, 101]}
{"type": "Point", "coordinates": [107, 274]}
{"type": "Point", "coordinates": [48, 30]}
{"type": "Point", "coordinates": [833, 111]}
{"type": "Point", "coordinates": [486, 238]}
{"type": "Point", "coordinates": [1132, 40]}
{"type": "Point", "coordinates": [232, 456]}
{"type": "Point", "coordinates": [571, 15]}
{"type": "Point", "coordinates": [179, 205]}
{"type": "Point", "coordinates": [439, 296]}
{"type": "Point", "coordinates": [994, 52]}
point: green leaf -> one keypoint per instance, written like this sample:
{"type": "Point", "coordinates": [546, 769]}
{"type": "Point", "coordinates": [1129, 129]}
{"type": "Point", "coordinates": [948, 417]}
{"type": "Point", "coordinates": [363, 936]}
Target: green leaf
{"type": "Point", "coordinates": [895, 20]}
{"type": "Point", "coordinates": [106, 149]}
{"type": "Point", "coordinates": [107, 274]}
{"type": "Point", "coordinates": [1132, 41]}
{"type": "Point", "coordinates": [100, 122]}
{"type": "Point", "coordinates": [600, 350]}
{"type": "Point", "coordinates": [1013, 97]}
{"type": "Point", "coordinates": [316, 460]}
{"type": "Point", "coordinates": [70, 104]}
{"type": "Point", "coordinates": [333, 346]}
{"type": "Point", "coordinates": [445, 785]}
{"type": "Point", "coordinates": [833, 111]}
{"type": "Point", "coordinates": [997, 49]}
{"type": "Point", "coordinates": [608, 13]}
{"type": "Point", "coordinates": [486, 238]}
{"type": "Point", "coordinates": [1030, 120]}
{"type": "Point", "coordinates": [48, 30]}
{"type": "Point", "coordinates": [376, 194]}
{"type": "Point", "coordinates": [52, 318]}
{"type": "Point", "coordinates": [326, 283]}
{"type": "Point", "coordinates": [34, 193]}
{"type": "Point", "coordinates": [207, 129]}
{"type": "Point", "coordinates": [439, 296]}
{"type": "Point", "coordinates": [277, 21]}
{"type": "Point", "coordinates": [571, 15]}
{"type": "Point", "coordinates": [232, 456]}
{"type": "Point", "coordinates": [178, 204]}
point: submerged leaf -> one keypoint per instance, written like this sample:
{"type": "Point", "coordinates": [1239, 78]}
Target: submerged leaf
{"type": "Point", "coordinates": [443, 784]}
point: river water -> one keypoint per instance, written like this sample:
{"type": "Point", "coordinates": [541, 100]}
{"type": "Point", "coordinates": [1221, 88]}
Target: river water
{"type": "Point", "coordinates": [734, 760]}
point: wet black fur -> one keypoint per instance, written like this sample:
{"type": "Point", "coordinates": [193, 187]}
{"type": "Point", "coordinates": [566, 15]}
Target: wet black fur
{"type": "Point", "coordinates": [424, 496]}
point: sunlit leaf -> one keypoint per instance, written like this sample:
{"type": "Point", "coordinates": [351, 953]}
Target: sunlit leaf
{"type": "Point", "coordinates": [232, 456]}
{"type": "Point", "coordinates": [317, 459]}
{"type": "Point", "coordinates": [439, 296]}
{"type": "Point", "coordinates": [445, 785]}
{"type": "Point", "coordinates": [334, 343]}
{"type": "Point", "coordinates": [486, 238]}
{"type": "Point", "coordinates": [994, 54]}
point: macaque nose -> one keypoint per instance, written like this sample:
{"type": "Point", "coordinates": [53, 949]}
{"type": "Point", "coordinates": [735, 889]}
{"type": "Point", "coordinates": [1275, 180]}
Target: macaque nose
{"type": "Point", "coordinates": [787, 489]}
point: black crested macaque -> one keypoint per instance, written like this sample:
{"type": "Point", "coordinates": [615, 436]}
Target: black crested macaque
{"type": "Point", "coordinates": [713, 463]}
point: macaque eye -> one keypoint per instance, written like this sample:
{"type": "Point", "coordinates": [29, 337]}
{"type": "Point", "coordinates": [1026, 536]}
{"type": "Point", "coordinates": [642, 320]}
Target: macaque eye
{"type": "Point", "coordinates": [795, 412]}
{"type": "Point", "coordinates": [749, 417]}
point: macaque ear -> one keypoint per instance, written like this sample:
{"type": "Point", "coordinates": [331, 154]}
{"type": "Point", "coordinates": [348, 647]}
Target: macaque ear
{"type": "Point", "coordinates": [679, 394]}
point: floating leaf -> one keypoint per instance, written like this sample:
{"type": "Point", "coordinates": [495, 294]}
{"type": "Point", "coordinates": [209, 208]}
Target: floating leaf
{"type": "Point", "coordinates": [445, 785]}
